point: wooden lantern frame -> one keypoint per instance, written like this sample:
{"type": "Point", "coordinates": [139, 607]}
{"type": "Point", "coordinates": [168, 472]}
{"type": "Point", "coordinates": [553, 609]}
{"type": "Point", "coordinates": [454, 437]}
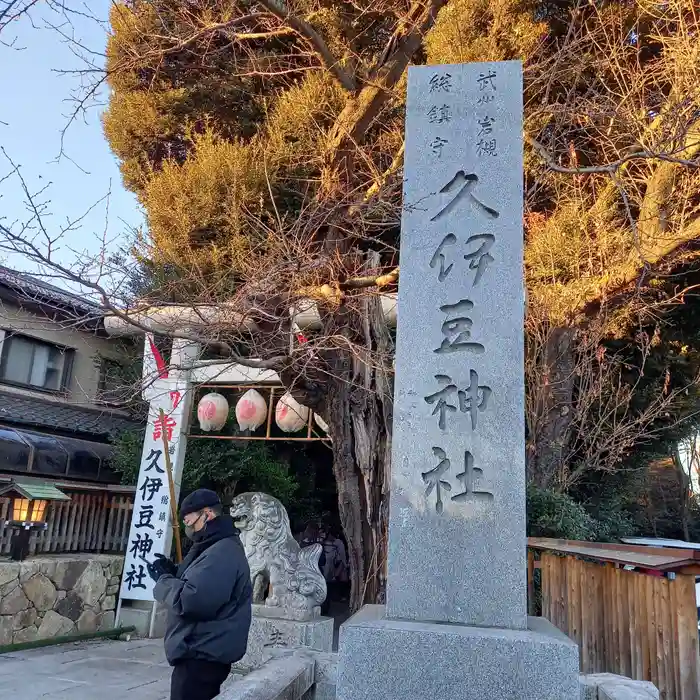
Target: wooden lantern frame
{"type": "Point", "coordinates": [273, 391]}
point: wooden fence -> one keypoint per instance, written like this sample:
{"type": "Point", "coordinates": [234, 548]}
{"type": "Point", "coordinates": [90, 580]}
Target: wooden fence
{"type": "Point", "coordinates": [89, 522]}
{"type": "Point", "coordinates": [625, 621]}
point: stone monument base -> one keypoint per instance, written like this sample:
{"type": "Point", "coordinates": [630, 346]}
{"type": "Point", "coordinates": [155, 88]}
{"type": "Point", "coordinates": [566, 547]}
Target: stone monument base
{"type": "Point", "coordinates": [382, 659]}
{"type": "Point", "coordinates": [137, 613]}
{"type": "Point", "coordinates": [269, 634]}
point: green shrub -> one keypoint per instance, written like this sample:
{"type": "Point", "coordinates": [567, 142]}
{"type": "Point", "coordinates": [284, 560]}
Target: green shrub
{"type": "Point", "coordinates": [221, 465]}
{"type": "Point", "coordinates": [553, 514]}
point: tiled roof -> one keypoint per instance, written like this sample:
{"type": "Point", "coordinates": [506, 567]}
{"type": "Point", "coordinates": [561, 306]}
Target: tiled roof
{"type": "Point", "coordinates": [37, 290]}
{"type": "Point", "coordinates": [28, 411]}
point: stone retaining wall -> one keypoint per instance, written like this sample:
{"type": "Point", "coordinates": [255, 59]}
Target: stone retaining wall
{"type": "Point", "coordinates": [51, 596]}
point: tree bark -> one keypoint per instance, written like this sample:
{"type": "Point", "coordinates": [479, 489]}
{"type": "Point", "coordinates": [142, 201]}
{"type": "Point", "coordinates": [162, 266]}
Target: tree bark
{"type": "Point", "coordinates": [347, 476]}
{"type": "Point", "coordinates": [686, 486]}
{"type": "Point", "coordinates": [359, 388]}
{"type": "Point", "coordinates": [362, 110]}
{"type": "Point", "coordinates": [371, 413]}
{"type": "Point", "coordinates": [554, 409]}
{"type": "Point", "coordinates": [359, 412]}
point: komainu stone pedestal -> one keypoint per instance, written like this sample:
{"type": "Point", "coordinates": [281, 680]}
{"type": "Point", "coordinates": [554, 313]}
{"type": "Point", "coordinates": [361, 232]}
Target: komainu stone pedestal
{"type": "Point", "coordinates": [382, 659]}
{"type": "Point", "coordinates": [268, 635]}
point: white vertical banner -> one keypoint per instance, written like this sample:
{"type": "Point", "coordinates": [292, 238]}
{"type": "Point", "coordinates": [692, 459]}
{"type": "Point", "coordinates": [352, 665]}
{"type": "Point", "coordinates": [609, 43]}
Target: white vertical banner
{"type": "Point", "coordinates": [151, 521]}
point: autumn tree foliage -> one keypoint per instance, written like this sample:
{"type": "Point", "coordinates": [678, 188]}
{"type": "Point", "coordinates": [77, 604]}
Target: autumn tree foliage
{"type": "Point", "coordinates": [264, 140]}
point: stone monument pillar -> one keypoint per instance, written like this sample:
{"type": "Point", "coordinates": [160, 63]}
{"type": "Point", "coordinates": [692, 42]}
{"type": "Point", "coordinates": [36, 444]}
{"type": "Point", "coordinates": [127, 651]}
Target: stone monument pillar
{"type": "Point", "coordinates": [455, 626]}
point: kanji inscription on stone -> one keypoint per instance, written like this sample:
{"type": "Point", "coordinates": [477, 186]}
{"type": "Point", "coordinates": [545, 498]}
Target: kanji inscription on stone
{"type": "Point", "coordinates": [457, 512]}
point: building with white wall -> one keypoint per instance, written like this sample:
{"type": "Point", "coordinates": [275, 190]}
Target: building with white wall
{"type": "Point", "coordinates": [59, 383]}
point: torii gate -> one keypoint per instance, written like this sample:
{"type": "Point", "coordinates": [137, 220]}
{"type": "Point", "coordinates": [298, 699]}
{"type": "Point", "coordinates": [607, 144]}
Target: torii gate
{"type": "Point", "coordinates": [169, 386]}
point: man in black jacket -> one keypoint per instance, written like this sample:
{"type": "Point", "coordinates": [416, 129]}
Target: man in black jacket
{"type": "Point", "coordinates": [209, 597]}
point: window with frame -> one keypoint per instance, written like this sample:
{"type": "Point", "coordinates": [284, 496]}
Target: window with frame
{"type": "Point", "coordinates": [33, 363]}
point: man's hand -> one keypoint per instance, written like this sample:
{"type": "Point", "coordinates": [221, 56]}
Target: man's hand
{"type": "Point", "coordinates": [161, 566]}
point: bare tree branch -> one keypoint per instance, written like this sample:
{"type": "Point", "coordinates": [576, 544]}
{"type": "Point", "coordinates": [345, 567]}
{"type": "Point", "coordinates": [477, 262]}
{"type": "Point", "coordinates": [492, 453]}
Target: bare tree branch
{"type": "Point", "coordinates": [32, 250]}
{"type": "Point", "coordinates": [612, 167]}
{"type": "Point", "coordinates": [304, 29]}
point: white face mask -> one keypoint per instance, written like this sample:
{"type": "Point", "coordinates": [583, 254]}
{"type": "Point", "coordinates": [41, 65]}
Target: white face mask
{"type": "Point", "coordinates": [189, 529]}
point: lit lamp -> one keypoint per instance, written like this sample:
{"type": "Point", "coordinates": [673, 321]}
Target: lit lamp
{"type": "Point", "coordinates": [29, 501]}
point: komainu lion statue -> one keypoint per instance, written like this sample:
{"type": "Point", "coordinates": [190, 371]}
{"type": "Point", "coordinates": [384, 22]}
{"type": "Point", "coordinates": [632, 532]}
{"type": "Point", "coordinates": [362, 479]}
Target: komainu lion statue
{"type": "Point", "coordinates": [275, 558]}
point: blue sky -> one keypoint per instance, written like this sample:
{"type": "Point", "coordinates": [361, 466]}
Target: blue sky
{"type": "Point", "coordinates": [34, 107]}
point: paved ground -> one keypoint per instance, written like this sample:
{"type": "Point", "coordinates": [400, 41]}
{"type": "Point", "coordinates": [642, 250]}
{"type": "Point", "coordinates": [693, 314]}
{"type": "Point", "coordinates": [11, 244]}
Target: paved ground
{"type": "Point", "coordinates": [134, 670]}
{"type": "Point", "coordinates": [109, 670]}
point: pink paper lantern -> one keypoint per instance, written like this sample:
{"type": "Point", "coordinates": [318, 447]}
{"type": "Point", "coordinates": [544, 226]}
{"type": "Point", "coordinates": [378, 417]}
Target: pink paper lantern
{"type": "Point", "coordinates": [212, 412]}
{"type": "Point", "coordinates": [251, 410]}
{"type": "Point", "coordinates": [290, 415]}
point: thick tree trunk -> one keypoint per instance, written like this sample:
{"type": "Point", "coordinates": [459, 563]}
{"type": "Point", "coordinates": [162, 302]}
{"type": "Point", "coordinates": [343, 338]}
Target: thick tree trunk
{"type": "Point", "coordinates": [554, 409]}
{"type": "Point", "coordinates": [363, 108]}
{"type": "Point", "coordinates": [371, 413]}
{"type": "Point", "coordinates": [358, 400]}
{"type": "Point", "coordinates": [359, 410]}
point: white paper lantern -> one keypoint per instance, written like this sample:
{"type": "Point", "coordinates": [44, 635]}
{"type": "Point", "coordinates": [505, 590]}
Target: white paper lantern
{"type": "Point", "coordinates": [290, 415]}
{"type": "Point", "coordinates": [212, 412]}
{"type": "Point", "coordinates": [321, 423]}
{"type": "Point", "coordinates": [251, 410]}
